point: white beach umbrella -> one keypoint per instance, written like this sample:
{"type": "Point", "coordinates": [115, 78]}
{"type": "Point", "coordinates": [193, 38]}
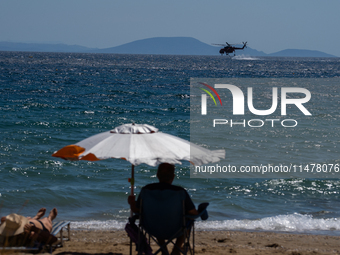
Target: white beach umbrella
{"type": "Point", "coordinates": [139, 143]}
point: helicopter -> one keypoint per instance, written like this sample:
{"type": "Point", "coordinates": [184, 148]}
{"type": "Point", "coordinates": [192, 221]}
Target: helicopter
{"type": "Point", "coordinates": [228, 48]}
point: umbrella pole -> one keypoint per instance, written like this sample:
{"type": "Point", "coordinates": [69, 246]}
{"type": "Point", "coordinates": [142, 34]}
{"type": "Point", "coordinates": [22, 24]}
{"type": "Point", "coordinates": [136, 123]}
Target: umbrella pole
{"type": "Point", "coordinates": [132, 182]}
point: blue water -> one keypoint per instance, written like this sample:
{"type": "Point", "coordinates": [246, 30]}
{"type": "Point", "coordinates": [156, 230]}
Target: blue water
{"type": "Point", "coordinates": [50, 100]}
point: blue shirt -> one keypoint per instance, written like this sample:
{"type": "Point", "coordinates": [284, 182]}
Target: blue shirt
{"type": "Point", "coordinates": [188, 204]}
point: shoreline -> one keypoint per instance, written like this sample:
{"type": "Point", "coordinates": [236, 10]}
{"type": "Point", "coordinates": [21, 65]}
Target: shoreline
{"type": "Point", "coordinates": [116, 242]}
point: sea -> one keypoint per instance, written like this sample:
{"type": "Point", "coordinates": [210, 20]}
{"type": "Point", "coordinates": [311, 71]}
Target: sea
{"type": "Point", "coordinates": [50, 100]}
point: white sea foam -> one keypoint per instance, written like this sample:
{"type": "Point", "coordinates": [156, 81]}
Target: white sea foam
{"type": "Point", "coordinates": [292, 223]}
{"type": "Point", "coordinates": [98, 225]}
{"type": "Point", "coordinates": [244, 57]}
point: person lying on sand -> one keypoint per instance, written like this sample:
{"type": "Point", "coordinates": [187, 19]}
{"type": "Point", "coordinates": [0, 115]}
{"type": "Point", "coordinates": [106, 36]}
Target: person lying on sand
{"type": "Point", "coordinates": [44, 224]}
{"type": "Point", "coordinates": [19, 230]}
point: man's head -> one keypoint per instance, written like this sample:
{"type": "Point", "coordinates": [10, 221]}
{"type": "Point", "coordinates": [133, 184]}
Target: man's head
{"type": "Point", "coordinates": [166, 173]}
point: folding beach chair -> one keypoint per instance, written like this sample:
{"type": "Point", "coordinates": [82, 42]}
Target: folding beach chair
{"type": "Point", "coordinates": [58, 228]}
{"type": "Point", "coordinates": [163, 217]}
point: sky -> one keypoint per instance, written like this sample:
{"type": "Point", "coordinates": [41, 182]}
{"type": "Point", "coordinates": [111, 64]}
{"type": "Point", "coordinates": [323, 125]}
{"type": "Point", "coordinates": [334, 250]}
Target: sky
{"type": "Point", "coordinates": [267, 25]}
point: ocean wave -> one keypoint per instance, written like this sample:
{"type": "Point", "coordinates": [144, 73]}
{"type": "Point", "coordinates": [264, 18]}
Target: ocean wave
{"type": "Point", "coordinates": [291, 223]}
{"type": "Point", "coordinates": [98, 225]}
{"type": "Point", "coordinates": [279, 223]}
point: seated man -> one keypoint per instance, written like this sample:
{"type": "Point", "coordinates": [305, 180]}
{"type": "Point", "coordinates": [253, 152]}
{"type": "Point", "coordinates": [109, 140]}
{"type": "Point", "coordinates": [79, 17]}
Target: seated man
{"type": "Point", "coordinates": [166, 175]}
{"type": "Point", "coordinates": [20, 230]}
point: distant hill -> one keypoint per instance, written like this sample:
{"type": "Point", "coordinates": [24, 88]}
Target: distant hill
{"type": "Point", "coordinates": [300, 53]}
{"type": "Point", "coordinates": [157, 45]}
{"type": "Point", "coordinates": [42, 47]}
{"type": "Point", "coordinates": [165, 46]}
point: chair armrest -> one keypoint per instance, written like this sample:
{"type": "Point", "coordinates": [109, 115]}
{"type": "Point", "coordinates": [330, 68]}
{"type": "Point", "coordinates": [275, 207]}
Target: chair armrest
{"type": "Point", "coordinates": [194, 217]}
{"type": "Point", "coordinates": [203, 213]}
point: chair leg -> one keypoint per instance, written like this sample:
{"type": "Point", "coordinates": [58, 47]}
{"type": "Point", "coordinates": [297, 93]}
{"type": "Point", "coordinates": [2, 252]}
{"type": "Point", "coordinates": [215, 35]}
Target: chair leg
{"type": "Point", "coordinates": [162, 246]}
{"type": "Point", "coordinates": [139, 246]}
{"type": "Point", "coordinates": [193, 238]}
{"type": "Point", "coordinates": [68, 232]}
{"type": "Point", "coordinates": [190, 247]}
{"type": "Point", "coordinates": [62, 237]}
{"type": "Point", "coordinates": [130, 246]}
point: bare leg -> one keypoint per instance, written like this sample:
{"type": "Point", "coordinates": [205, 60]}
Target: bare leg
{"type": "Point", "coordinates": [47, 221]}
{"type": "Point", "coordinates": [40, 213]}
{"type": "Point", "coordinates": [53, 214]}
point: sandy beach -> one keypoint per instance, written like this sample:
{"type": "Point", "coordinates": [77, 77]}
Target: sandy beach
{"type": "Point", "coordinates": [208, 242]}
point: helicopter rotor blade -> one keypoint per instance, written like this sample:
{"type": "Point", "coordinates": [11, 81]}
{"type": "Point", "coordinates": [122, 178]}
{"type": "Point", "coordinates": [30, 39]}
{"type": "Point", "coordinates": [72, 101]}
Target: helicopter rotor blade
{"type": "Point", "coordinates": [218, 44]}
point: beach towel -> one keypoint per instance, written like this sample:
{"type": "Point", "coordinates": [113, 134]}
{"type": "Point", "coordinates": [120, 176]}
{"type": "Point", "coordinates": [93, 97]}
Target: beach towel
{"type": "Point", "coordinates": [133, 231]}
